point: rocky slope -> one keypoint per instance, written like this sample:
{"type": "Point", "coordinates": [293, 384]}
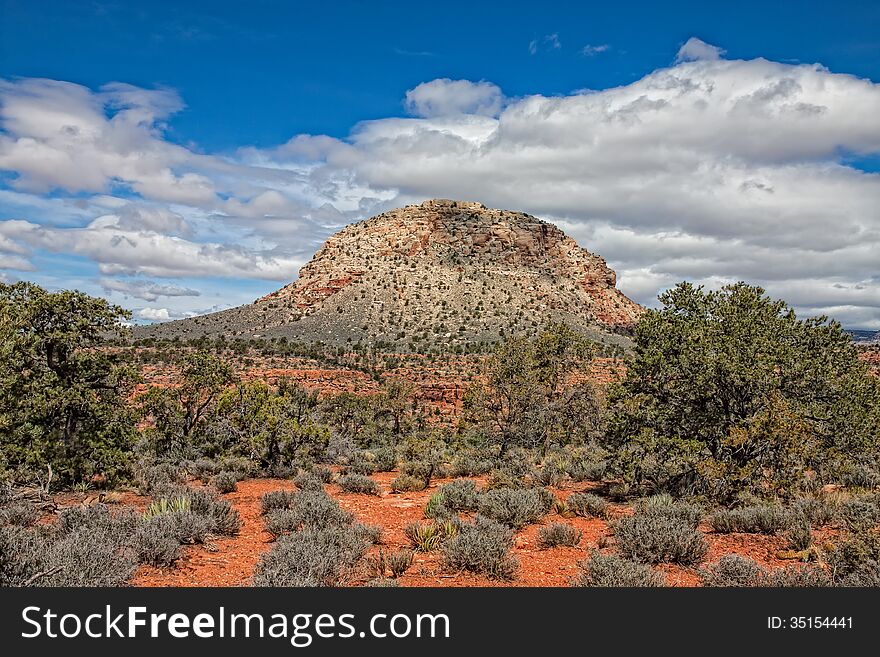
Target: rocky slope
{"type": "Point", "coordinates": [444, 274]}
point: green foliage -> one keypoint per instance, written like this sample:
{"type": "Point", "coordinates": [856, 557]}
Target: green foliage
{"type": "Point", "coordinates": [177, 413]}
{"type": "Point", "coordinates": [225, 482]}
{"type": "Point", "coordinates": [732, 570]}
{"type": "Point", "coordinates": [61, 398]}
{"type": "Point", "coordinates": [728, 392]}
{"type": "Point", "coordinates": [559, 534]}
{"type": "Point", "coordinates": [608, 571]}
{"type": "Point", "coordinates": [399, 562]}
{"type": "Point", "coordinates": [424, 537]}
{"type": "Point", "coordinates": [278, 499]}
{"type": "Point", "coordinates": [529, 399]}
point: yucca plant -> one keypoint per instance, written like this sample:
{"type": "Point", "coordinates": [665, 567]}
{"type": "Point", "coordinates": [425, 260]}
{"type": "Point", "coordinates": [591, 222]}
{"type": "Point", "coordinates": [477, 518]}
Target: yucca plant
{"type": "Point", "coordinates": [436, 506]}
{"type": "Point", "coordinates": [424, 537]}
{"type": "Point", "coordinates": [398, 562]}
{"type": "Point", "coordinates": [159, 507]}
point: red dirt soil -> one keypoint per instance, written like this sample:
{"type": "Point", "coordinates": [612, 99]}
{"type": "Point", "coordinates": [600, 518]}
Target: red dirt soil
{"type": "Point", "coordinates": [230, 561]}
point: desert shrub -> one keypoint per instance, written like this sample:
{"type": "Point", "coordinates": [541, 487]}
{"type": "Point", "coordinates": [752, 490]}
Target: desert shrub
{"type": "Point", "coordinates": [282, 521]}
{"type": "Point", "coordinates": [151, 479]}
{"type": "Point", "coordinates": [312, 557]}
{"type": "Point", "coordinates": [240, 466]}
{"type": "Point", "coordinates": [734, 570]}
{"type": "Point", "coordinates": [551, 474]}
{"type": "Point", "coordinates": [22, 555]}
{"type": "Point", "coordinates": [224, 520]}
{"type": "Point", "coordinates": [858, 514]}
{"type": "Point", "coordinates": [855, 561]}
{"type": "Point", "coordinates": [799, 577]}
{"type": "Point", "coordinates": [460, 495]}
{"type": "Point", "coordinates": [419, 469]}
{"type": "Point", "coordinates": [203, 468]}
{"type": "Point", "coordinates": [602, 570]}
{"type": "Point", "coordinates": [383, 582]}
{"type": "Point", "coordinates": [656, 538]}
{"type": "Point", "coordinates": [469, 464]}
{"type": "Point", "coordinates": [665, 505]}
{"type": "Point", "coordinates": [154, 545]}
{"type": "Point", "coordinates": [580, 470]}
{"type": "Point", "coordinates": [758, 519]}
{"type": "Point", "coordinates": [398, 562]}
{"type": "Point", "coordinates": [316, 509]}
{"type": "Point", "coordinates": [407, 484]}
{"type": "Point", "coordinates": [322, 472]}
{"type": "Point", "coordinates": [384, 460]}
{"type": "Point", "coordinates": [225, 482]}
{"type": "Point", "coordinates": [19, 513]}
{"type": "Point", "coordinates": [423, 537]}
{"type": "Point", "coordinates": [799, 533]}
{"type": "Point", "coordinates": [482, 547]}
{"type": "Point", "coordinates": [361, 465]}
{"type": "Point", "coordinates": [514, 507]}
{"type": "Point", "coordinates": [308, 481]}
{"type": "Point", "coordinates": [356, 483]}
{"type": "Point", "coordinates": [816, 510]}
{"type": "Point", "coordinates": [559, 534]}
{"type": "Point", "coordinates": [277, 499]}
{"type": "Point", "coordinates": [96, 518]}
{"type": "Point", "coordinates": [587, 505]}
{"type": "Point", "coordinates": [165, 505]}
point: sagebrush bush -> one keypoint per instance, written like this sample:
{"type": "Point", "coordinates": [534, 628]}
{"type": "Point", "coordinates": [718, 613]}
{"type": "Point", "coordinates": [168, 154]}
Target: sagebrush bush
{"type": "Point", "coordinates": [419, 469]}
{"type": "Point", "coordinates": [203, 468]}
{"type": "Point", "coordinates": [316, 509]}
{"type": "Point", "coordinates": [665, 505]}
{"type": "Point", "coordinates": [312, 557]}
{"type": "Point", "coordinates": [151, 478]}
{"type": "Point", "coordinates": [384, 459]}
{"type": "Point", "coordinates": [799, 533]}
{"type": "Point", "coordinates": [733, 570]}
{"type": "Point", "coordinates": [559, 534]}
{"type": "Point", "coordinates": [470, 464]}
{"type": "Point", "coordinates": [224, 520]}
{"type": "Point", "coordinates": [858, 514]}
{"type": "Point", "coordinates": [855, 561]}
{"type": "Point", "coordinates": [460, 495]}
{"type": "Point", "coordinates": [322, 472]}
{"type": "Point", "coordinates": [817, 510]}
{"type": "Point", "coordinates": [551, 474]}
{"type": "Point", "coordinates": [515, 507]}
{"type": "Point", "coordinates": [587, 505]}
{"type": "Point", "coordinates": [308, 481]}
{"type": "Point", "coordinates": [407, 484]}
{"type": "Point", "coordinates": [758, 519]}
{"type": "Point", "coordinates": [602, 570]}
{"type": "Point", "coordinates": [282, 521]}
{"type": "Point", "coordinates": [482, 547]}
{"type": "Point", "coordinates": [154, 545]}
{"type": "Point", "coordinates": [581, 470]}
{"type": "Point", "coordinates": [798, 577]}
{"type": "Point", "coordinates": [225, 482]}
{"type": "Point", "coordinates": [356, 483]}
{"type": "Point", "coordinates": [656, 538]}
{"type": "Point", "coordinates": [19, 513]}
{"type": "Point", "coordinates": [277, 499]}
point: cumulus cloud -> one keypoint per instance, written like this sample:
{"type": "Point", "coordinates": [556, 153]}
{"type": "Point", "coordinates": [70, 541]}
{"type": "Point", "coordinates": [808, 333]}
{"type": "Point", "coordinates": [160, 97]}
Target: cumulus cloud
{"type": "Point", "coordinates": [711, 170]}
{"type": "Point", "coordinates": [444, 97]}
{"type": "Point", "coordinates": [695, 49]}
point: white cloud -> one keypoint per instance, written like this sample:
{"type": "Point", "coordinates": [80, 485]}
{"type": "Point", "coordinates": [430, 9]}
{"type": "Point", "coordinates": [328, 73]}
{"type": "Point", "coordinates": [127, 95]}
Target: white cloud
{"type": "Point", "coordinates": [711, 170]}
{"type": "Point", "coordinates": [445, 97]}
{"type": "Point", "coordinates": [547, 42]}
{"type": "Point", "coordinates": [695, 49]}
{"type": "Point", "coordinates": [154, 314]}
{"type": "Point", "coordinates": [146, 289]}
{"type": "Point", "coordinates": [591, 50]}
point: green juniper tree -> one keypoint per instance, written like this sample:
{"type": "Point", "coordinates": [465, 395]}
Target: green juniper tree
{"type": "Point", "coordinates": [62, 399]}
{"type": "Point", "coordinates": [729, 393]}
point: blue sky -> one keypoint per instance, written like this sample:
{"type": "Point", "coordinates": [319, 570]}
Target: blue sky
{"type": "Point", "coordinates": [188, 156]}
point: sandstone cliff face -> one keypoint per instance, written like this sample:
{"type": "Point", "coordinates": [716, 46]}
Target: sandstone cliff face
{"type": "Point", "coordinates": [444, 273]}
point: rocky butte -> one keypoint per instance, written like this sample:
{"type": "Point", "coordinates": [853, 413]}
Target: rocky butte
{"type": "Point", "coordinates": [447, 274]}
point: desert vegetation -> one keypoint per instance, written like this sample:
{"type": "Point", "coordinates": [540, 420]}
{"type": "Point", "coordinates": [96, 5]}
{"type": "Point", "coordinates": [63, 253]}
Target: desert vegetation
{"type": "Point", "coordinates": [740, 446]}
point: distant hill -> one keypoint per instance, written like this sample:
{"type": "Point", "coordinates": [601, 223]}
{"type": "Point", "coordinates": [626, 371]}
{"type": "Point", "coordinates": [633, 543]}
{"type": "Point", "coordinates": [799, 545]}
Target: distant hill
{"type": "Point", "coordinates": [442, 273]}
{"type": "Point", "coordinates": [864, 337]}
